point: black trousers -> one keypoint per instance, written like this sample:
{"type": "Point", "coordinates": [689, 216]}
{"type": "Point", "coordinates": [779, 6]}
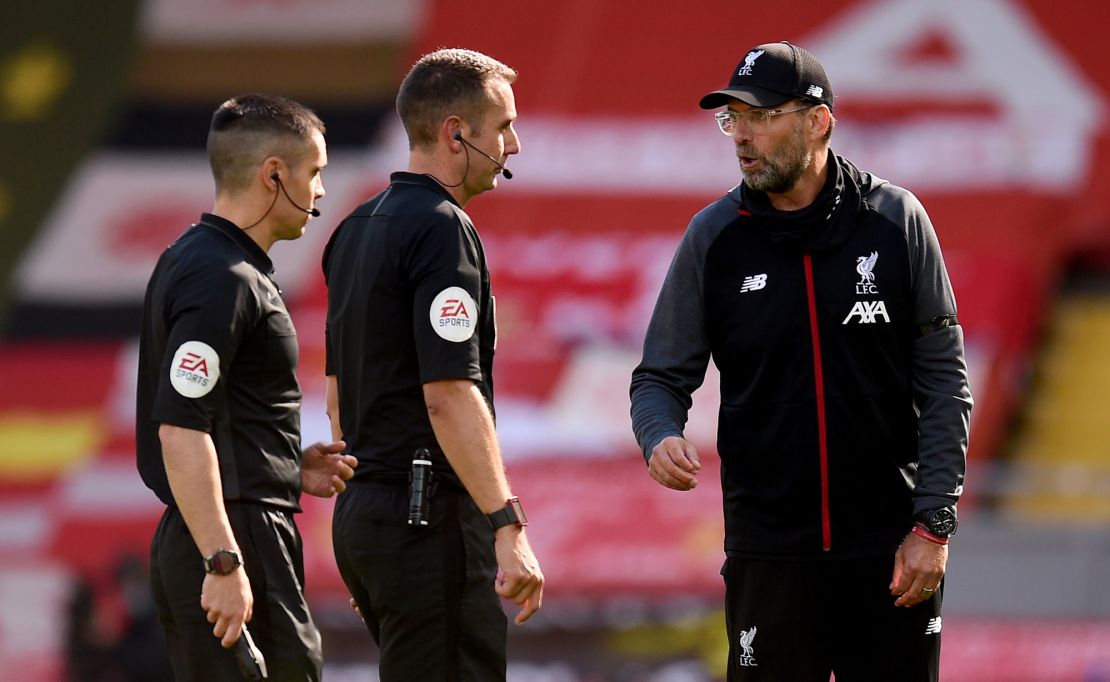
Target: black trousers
{"type": "Point", "coordinates": [802, 621]}
{"type": "Point", "coordinates": [281, 626]}
{"type": "Point", "coordinates": [425, 592]}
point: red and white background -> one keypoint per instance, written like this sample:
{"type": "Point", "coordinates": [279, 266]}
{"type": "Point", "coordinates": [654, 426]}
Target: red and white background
{"type": "Point", "coordinates": [993, 112]}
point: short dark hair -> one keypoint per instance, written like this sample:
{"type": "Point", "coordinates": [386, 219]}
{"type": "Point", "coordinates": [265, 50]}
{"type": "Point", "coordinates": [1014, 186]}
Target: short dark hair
{"type": "Point", "coordinates": [444, 83]}
{"type": "Point", "coordinates": [247, 129]}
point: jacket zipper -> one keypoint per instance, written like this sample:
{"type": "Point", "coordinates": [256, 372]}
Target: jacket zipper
{"type": "Point", "coordinates": [819, 378]}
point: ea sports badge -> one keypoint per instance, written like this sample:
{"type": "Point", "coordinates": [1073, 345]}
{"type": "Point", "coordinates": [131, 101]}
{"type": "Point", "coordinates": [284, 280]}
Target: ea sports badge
{"type": "Point", "coordinates": [195, 369]}
{"type": "Point", "coordinates": [453, 314]}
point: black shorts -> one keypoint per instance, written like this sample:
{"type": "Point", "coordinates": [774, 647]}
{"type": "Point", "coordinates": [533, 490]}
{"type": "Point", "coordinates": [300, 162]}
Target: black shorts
{"type": "Point", "coordinates": [281, 626]}
{"type": "Point", "coordinates": [425, 592]}
{"type": "Point", "coordinates": [802, 621]}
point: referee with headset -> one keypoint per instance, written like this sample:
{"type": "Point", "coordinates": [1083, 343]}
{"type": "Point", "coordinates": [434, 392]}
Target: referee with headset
{"type": "Point", "coordinates": [410, 337]}
{"type": "Point", "coordinates": [218, 413]}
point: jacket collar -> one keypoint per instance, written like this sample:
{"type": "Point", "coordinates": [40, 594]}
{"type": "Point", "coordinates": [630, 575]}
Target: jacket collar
{"type": "Point", "coordinates": [824, 224]}
{"type": "Point", "coordinates": [423, 180]}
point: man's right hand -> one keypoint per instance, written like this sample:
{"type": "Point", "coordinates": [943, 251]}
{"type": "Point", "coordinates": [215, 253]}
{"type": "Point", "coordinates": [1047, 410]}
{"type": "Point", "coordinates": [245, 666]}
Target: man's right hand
{"type": "Point", "coordinates": [520, 578]}
{"type": "Point", "coordinates": [229, 603]}
{"type": "Point", "coordinates": [675, 463]}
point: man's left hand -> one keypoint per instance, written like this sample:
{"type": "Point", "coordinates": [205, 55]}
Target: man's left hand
{"type": "Point", "coordinates": [919, 566]}
{"type": "Point", "coordinates": [324, 469]}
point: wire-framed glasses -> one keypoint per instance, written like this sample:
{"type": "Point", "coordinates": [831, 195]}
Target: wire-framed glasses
{"type": "Point", "coordinates": [756, 120]}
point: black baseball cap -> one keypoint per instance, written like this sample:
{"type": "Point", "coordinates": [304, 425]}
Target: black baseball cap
{"type": "Point", "coordinates": [771, 74]}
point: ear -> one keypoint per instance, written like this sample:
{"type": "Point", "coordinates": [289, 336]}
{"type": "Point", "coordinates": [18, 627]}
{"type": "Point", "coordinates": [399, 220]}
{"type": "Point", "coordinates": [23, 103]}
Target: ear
{"type": "Point", "coordinates": [270, 167]}
{"type": "Point", "coordinates": [820, 121]}
{"type": "Point", "coordinates": [451, 131]}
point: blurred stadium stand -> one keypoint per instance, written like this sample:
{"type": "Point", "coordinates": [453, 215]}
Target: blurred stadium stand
{"type": "Point", "coordinates": [995, 112]}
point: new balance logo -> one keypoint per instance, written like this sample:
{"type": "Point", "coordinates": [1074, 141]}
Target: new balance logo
{"type": "Point", "coordinates": [754, 283]}
{"type": "Point", "coordinates": [933, 626]}
{"type": "Point", "coordinates": [868, 311]}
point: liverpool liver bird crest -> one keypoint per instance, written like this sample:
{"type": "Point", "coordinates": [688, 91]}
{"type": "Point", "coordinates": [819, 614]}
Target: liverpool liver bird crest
{"type": "Point", "coordinates": [865, 265]}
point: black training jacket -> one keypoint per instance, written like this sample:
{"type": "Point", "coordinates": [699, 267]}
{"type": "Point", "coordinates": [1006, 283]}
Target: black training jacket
{"type": "Point", "coordinates": [844, 398]}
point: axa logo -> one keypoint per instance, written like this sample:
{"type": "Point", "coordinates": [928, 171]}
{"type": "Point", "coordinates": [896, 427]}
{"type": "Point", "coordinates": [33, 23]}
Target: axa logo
{"type": "Point", "coordinates": [865, 266]}
{"type": "Point", "coordinates": [747, 652]}
{"type": "Point", "coordinates": [749, 62]}
{"type": "Point", "coordinates": [454, 307]}
{"type": "Point", "coordinates": [191, 362]}
{"type": "Point", "coordinates": [753, 283]}
{"type": "Point", "coordinates": [933, 626]}
{"type": "Point", "coordinates": [868, 312]}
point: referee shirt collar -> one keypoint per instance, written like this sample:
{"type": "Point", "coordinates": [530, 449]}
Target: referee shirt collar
{"type": "Point", "coordinates": [423, 180]}
{"type": "Point", "coordinates": [254, 252]}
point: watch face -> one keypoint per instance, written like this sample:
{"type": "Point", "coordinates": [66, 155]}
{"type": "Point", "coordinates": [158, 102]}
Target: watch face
{"type": "Point", "coordinates": [943, 522]}
{"type": "Point", "coordinates": [519, 510]}
{"type": "Point", "coordinates": [223, 562]}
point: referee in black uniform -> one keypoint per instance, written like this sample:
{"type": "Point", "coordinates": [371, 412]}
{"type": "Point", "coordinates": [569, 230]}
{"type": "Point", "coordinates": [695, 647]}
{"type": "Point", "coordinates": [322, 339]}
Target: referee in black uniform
{"type": "Point", "coordinates": [218, 414]}
{"type": "Point", "coordinates": [411, 335]}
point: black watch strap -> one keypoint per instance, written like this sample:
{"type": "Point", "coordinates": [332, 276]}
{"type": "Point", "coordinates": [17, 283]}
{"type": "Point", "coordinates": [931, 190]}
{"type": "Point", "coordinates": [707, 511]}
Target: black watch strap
{"type": "Point", "coordinates": [511, 513]}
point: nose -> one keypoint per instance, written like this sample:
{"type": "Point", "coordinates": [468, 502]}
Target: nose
{"type": "Point", "coordinates": [741, 133]}
{"type": "Point", "coordinates": [512, 142]}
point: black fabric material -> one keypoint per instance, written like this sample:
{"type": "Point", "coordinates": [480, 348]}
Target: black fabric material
{"type": "Point", "coordinates": [396, 269]}
{"type": "Point", "coordinates": [281, 626]}
{"type": "Point", "coordinates": [213, 286]}
{"type": "Point", "coordinates": [426, 592]}
{"type": "Point", "coordinates": [771, 74]}
{"type": "Point", "coordinates": [772, 491]}
{"type": "Point", "coordinates": [813, 619]}
{"type": "Point", "coordinates": [897, 404]}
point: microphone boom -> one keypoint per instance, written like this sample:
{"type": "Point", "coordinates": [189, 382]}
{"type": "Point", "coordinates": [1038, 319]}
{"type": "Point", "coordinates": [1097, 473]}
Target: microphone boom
{"type": "Point", "coordinates": [504, 171]}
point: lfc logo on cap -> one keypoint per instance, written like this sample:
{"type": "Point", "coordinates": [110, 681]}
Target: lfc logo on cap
{"type": "Point", "coordinates": [749, 62]}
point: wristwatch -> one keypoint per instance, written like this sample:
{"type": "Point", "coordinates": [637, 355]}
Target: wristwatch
{"type": "Point", "coordinates": [512, 512]}
{"type": "Point", "coordinates": [223, 562]}
{"type": "Point", "coordinates": [941, 522]}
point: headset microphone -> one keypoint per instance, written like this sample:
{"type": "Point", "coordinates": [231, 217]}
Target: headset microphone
{"type": "Point", "coordinates": [504, 171]}
{"type": "Point", "coordinates": [314, 212]}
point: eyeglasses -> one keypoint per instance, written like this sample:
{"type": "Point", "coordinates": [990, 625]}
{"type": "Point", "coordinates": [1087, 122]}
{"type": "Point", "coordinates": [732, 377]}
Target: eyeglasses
{"type": "Point", "coordinates": [756, 120]}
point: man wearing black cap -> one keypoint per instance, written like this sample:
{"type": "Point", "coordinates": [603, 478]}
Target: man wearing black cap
{"type": "Point", "coordinates": [820, 292]}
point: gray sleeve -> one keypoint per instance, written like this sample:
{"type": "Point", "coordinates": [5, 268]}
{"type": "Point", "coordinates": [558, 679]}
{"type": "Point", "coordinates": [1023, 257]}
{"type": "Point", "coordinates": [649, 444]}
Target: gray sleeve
{"type": "Point", "coordinates": [943, 399]}
{"type": "Point", "coordinates": [940, 387]}
{"type": "Point", "coordinates": [676, 348]}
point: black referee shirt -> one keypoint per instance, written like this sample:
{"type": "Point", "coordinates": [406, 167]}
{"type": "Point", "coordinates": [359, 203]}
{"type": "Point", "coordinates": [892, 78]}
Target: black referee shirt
{"type": "Point", "coordinates": [409, 303]}
{"type": "Point", "coordinates": [218, 353]}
